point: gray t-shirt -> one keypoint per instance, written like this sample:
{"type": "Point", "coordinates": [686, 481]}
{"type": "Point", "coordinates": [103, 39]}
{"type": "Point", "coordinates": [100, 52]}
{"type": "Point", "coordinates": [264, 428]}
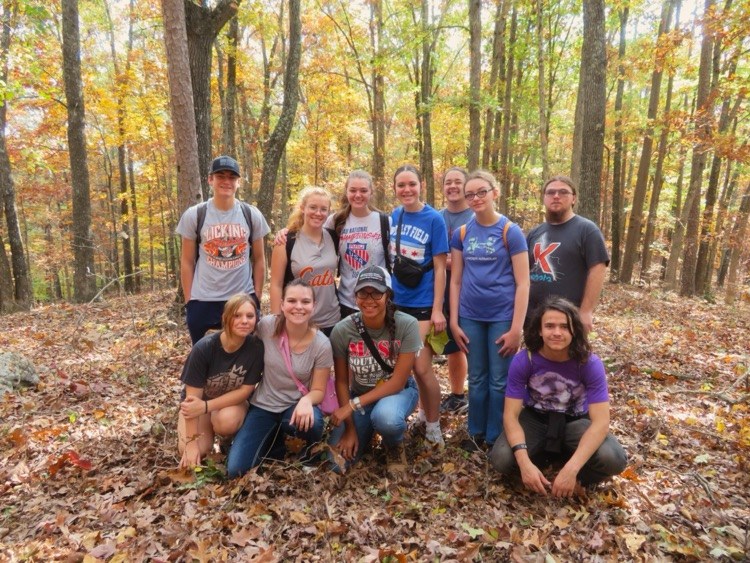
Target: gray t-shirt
{"type": "Point", "coordinates": [360, 245]}
{"type": "Point", "coordinates": [277, 390]}
{"type": "Point", "coordinates": [316, 264]}
{"type": "Point", "coordinates": [222, 269]}
{"type": "Point", "coordinates": [560, 257]}
{"type": "Point", "coordinates": [364, 370]}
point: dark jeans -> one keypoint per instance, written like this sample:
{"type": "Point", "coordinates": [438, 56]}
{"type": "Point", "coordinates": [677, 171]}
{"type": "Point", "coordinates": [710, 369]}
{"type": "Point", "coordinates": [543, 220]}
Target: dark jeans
{"type": "Point", "coordinates": [202, 316]}
{"type": "Point", "coordinates": [610, 459]}
{"type": "Point", "coordinates": [262, 436]}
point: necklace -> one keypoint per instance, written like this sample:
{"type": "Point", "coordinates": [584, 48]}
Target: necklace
{"type": "Point", "coordinates": [293, 345]}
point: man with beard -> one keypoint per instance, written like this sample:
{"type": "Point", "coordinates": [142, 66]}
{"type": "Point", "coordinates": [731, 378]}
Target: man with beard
{"type": "Point", "coordinates": [567, 254]}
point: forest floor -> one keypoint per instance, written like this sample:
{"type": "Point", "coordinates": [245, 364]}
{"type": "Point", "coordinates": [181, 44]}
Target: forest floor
{"type": "Point", "coordinates": [88, 469]}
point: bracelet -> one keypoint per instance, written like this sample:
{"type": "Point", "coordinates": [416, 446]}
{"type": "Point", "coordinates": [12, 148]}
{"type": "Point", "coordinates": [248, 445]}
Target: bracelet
{"type": "Point", "coordinates": [205, 401]}
{"type": "Point", "coordinates": [521, 446]}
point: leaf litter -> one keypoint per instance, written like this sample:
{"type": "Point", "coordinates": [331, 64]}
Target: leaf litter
{"type": "Point", "coordinates": [88, 470]}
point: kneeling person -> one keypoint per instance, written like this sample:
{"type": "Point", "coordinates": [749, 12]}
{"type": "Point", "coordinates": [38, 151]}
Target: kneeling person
{"type": "Point", "coordinates": [378, 347]}
{"type": "Point", "coordinates": [557, 407]}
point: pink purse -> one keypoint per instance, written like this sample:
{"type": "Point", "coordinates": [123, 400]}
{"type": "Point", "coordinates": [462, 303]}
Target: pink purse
{"type": "Point", "coordinates": [330, 400]}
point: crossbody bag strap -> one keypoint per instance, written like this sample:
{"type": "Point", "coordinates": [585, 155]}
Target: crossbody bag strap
{"type": "Point", "coordinates": [398, 232]}
{"type": "Point", "coordinates": [357, 317]}
{"type": "Point", "coordinates": [287, 355]}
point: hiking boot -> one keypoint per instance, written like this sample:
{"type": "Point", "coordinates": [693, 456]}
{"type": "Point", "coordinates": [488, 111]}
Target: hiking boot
{"type": "Point", "coordinates": [454, 403]}
{"type": "Point", "coordinates": [434, 436]}
{"type": "Point", "coordinates": [395, 460]}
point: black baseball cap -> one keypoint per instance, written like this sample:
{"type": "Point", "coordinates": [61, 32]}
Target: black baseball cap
{"type": "Point", "coordinates": [225, 163]}
{"type": "Point", "coordinates": [375, 277]}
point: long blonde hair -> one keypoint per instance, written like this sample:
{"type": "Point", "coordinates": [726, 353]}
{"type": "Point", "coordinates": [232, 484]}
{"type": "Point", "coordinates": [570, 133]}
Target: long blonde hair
{"type": "Point", "coordinates": [297, 218]}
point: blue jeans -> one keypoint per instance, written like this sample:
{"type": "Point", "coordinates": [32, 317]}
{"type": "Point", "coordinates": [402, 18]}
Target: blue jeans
{"type": "Point", "coordinates": [488, 376]}
{"type": "Point", "coordinates": [262, 436]}
{"type": "Point", "coordinates": [387, 417]}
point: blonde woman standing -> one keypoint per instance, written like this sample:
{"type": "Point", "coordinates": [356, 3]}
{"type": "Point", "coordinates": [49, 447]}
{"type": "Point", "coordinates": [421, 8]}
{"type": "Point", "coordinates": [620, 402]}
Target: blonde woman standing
{"type": "Point", "coordinates": [310, 254]}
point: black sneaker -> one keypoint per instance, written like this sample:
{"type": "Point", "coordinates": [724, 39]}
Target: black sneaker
{"type": "Point", "coordinates": [454, 403]}
{"type": "Point", "coordinates": [474, 444]}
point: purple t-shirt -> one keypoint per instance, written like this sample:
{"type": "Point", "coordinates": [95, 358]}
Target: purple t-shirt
{"type": "Point", "coordinates": [488, 287]}
{"type": "Point", "coordinates": [567, 387]}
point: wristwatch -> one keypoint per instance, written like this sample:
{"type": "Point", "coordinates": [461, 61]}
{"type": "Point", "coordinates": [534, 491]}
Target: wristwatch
{"type": "Point", "coordinates": [356, 405]}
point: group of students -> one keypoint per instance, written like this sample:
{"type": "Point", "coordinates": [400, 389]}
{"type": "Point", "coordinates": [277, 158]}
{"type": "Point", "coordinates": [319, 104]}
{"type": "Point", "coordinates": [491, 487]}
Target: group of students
{"type": "Point", "coordinates": [403, 280]}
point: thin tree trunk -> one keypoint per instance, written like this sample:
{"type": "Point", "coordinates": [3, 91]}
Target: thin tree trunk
{"type": "Point", "coordinates": [700, 148]}
{"type": "Point", "coordinates": [541, 89]}
{"type": "Point", "coordinates": [737, 246]}
{"type": "Point", "coordinates": [644, 166]}
{"type": "Point", "coordinates": [136, 232]}
{"type": "Point", "coordinates": [491, 117]}
{"type": "Point", "coordinates": [277, 142]}
{"type": "Point", "coordinates": [505, 149]}
{"type": "Point", "coordinates": [475, 85]}
{"type": "Point", "coordinates": [230, 98]}
{"type": "Point", "coordinates": [617, 187]}
{"type": "Point", "coordinates": [84, 281]}
{"type": "Point", "coordinates": [726, 195]}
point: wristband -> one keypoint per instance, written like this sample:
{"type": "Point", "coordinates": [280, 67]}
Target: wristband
{"type": "Point", "coordinates": [206, 406]}
{"type": "Point", "coordinates": [356, 405]}
{"type": "Point", "coordinates": [521, 446]}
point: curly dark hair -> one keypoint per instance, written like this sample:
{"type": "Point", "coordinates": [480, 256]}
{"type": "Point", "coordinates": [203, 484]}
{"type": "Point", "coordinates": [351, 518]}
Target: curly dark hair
{"type": "Point", "coordinates": [390, 322]}
{"type": "Point", "coordinates": [579, 349]}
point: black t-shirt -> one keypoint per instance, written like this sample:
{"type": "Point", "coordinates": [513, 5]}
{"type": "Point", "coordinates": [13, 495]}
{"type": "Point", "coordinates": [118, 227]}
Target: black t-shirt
{"type": "Point", "coordinates": [560, 257]}
{"type": "Point", "coordinates": [217, 372]}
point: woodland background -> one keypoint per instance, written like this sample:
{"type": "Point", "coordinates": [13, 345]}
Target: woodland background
{"type": "Point", "coordinates": [645, 104]}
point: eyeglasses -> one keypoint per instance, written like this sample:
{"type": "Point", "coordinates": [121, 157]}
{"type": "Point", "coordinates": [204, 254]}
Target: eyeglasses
{"type": "Point", "coordinates": [561, 193]}
{"type": "Point", "coordinates": [481, 194]}
{"type": "Point", "coordinates": [371, 295]}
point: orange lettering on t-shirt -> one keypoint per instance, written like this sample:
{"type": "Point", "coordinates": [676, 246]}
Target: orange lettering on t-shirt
{"type": "Point", "coordinates": [319, 280]}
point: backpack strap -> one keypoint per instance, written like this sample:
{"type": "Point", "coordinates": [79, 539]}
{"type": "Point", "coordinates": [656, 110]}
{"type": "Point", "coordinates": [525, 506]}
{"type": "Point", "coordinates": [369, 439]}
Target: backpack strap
{"type": "Point", "coordinates": [508, 224]}
{"type": "Point", "coordinates": [357, 318]}
{"type": "Point", "coordinates": [291, 238]}
{"type": "Point", "coordinates": [247, 211]}
{"type": "Point", "coordinates": [385, 237]}
{"type": "Point", "coordinates": [462, 232]}
{"type": "Point", "coordinates": [201, 216]}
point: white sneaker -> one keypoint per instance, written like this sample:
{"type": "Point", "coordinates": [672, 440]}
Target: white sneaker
{"type": "Point", "coordinates": [434, 436]}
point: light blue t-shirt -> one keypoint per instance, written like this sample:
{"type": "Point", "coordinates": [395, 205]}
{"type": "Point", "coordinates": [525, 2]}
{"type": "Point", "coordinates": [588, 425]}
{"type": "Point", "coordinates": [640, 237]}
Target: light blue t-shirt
{"type": "Point", "coordinates": [423, 235]}
{"type": "Point", "coordinates": [488, 287]}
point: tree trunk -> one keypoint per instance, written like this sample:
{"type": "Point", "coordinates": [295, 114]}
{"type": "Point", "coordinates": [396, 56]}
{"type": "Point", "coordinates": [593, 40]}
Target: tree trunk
{"type": "Point", "coordinates": [230, 97]}
{"type": "Point", "coordinates": [593, 91]}
{"type": "Point", "coordinates": [617, 187]}
{"type": "Point", "coordinates": [181, 103]}
{"type": "Point", "coordinates": [727, 194]}
{"type": "Point", "coordinates": [203, 25]}
{"type": "Point", "coordinates": [492, 118]}
{"type": "Point", "coordinates": [541, 90]}
{"type": "Point", "coordinates": [84, 281]}
{"type": "Point", "coordinates": [505, 149]}
{"type": "Point", "coordinates": [21, 277]}
{"type": "Point", "coordinates": [644, 166]}
{"type": "Point", "coordinates": [7, 301]}
{"type": "Point", "coordinates": [700, 148]}
{"type": "Point", "coordinates": [136, 232]}
{"type": "Point", "coordinates": [378, 98]}
{"type": "Point", "coordinates": [737, 246]}
{"type": "Point", "coordinates": [277, 142]}
{"type": "Point", "coordinates": [475, 82]}
{"type": "Point", "coordinates": [425, 101]}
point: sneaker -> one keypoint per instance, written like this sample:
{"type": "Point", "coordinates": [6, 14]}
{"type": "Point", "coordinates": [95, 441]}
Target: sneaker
{"type": "Point", "coordinates": [474, 444]}
{"type": "Point", "coordinates": [434, 436]}
{"type": "Point", "coordinates": [454, 403]}
{"type": "Point", "coordinates": [395, 460]}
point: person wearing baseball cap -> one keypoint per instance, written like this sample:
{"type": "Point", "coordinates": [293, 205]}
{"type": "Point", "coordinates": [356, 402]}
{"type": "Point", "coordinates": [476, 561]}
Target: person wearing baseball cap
{"type": "Point", "coordinates": [222, 250]}
{"type": "Point", "coordinates": [377, 346]}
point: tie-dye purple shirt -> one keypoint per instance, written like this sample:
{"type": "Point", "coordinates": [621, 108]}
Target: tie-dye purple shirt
{"type": "Point", "coordinates": [567, 387]}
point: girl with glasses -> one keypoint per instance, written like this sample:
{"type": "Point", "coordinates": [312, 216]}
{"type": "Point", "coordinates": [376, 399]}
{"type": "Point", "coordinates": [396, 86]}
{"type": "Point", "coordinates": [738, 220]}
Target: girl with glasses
{"type": "Point", "coordinates": [419, 246]}
{"type": "Point", "coordinates": [382, 393]}
{"type": "Point", "coordinates": [309, 253]}
{"type": "Point", "coordinates": [489, 294]}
